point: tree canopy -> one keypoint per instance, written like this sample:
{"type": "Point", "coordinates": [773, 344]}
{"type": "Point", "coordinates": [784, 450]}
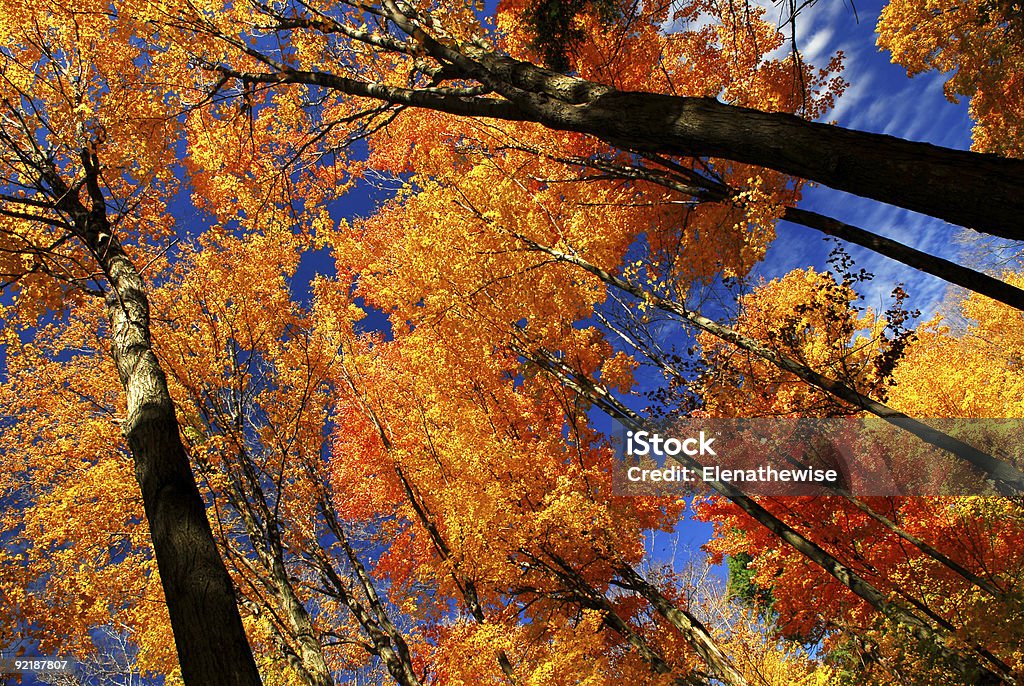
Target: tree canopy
{"type": "Point", "coordinates": [217, 470]}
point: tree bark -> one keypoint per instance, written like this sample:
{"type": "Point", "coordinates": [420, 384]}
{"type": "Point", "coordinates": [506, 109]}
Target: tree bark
{"type": "Point", "coordinates": [976, 190]}
{"type": "Point", "coordinates": [212, 646]}
{"type": "Point", "coordinates": [708, 190]}
{"type": "Point", "coordinates": [388, 642]}
{"type": "Point", "coordinates": [301, 626]}
{"type": "Point", "coordinates": [971, 279]}
{"type": "Point", "coordinates": [263, 529]}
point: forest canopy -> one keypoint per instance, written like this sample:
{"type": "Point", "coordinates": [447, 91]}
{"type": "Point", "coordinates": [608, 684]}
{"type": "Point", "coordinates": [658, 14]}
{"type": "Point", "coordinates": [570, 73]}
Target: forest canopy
{"type": "Point", "coordinates": [320, 321]}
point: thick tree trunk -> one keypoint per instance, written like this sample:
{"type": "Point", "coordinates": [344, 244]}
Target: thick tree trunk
{"type": "Point", "coordinates": [979, 191]}
{"type": "Point", "coordinates": [213, 649]}
{"type": "Point", "coordinates": [212, 646]}
{"type": "Point", "coordinates": [976, 190]}
{"type": "Point", "coordinates": [713, 191]}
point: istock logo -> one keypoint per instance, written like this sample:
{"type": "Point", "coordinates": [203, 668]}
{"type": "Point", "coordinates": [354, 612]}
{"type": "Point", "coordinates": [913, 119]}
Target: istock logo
{"type": "Point", "coordinates": [644, 443]}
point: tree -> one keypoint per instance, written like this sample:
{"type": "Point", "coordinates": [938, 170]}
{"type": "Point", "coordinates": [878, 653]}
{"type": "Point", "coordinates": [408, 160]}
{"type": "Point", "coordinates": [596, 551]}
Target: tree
{"type": "Point", "coordinates": [767, 87]}
{"type": "Point", "coordinates": [88, 155]}
{"type": "Point", "coordinates": [434, 502]}
{"type": "Point", "coordinates": [257, 434]}
{"type": "Point", "coordinates": [481, 283]}
{"type": "Point", "coordinates": [942, 556]}
{"type": "Point", "coordinates": [446, 61]}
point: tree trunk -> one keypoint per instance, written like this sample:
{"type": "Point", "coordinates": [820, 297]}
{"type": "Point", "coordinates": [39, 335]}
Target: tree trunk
{"type": "Point", "coordinates": [976, 190]}
{"type": "Point", "coordinates": [971, 279]}
{"type": "Point", "coordinates": [712, 191]}
{"type": "Point", "coordinates": [301, 625]}
{"type": "Point", "coordinates": [695, 633]}
{"type": "Point", "coordinates": [212, 646]}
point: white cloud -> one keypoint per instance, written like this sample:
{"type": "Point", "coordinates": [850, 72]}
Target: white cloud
{"type": "Point", "coordinates": [880, 98]}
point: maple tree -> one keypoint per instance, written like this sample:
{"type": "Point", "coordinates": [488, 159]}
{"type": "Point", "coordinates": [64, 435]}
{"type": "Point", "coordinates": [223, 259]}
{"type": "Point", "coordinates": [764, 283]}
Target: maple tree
{"type": "Point", "coordinates": [88, 159]}
{"type": "Point", "coordinates": [468, 192]}
{"type": "Point", "coordinates": [944, 556]}
{"type": "Point", "coordinates": [442, 58]}
{"type": "Point", "coordinates": [257, 440]}
{"type": "Point", "coordinates": [434, 503]}
{"type": "Point", "coordinates": [307, 37]}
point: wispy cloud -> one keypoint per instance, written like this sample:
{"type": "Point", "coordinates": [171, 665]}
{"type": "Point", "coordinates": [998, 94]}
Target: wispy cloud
{"type": "Point", "coordinates": [882, 99]}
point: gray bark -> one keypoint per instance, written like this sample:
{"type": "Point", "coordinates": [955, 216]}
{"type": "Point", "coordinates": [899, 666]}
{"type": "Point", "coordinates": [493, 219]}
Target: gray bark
{"type": "Point", "coordinates": [212, 646]}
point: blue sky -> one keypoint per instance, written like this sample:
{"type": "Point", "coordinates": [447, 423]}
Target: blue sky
{"type": "Point", "coordinates": [882, 99]}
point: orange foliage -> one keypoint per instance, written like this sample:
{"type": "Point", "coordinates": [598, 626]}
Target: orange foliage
{"type": "Point", "coordinates": [806, 316]}
{"type": "Point", "coordinates": [982, 535]}
{"type": "Point", "coordinates": [438, 456]}
{"type": "Point", "coordinates": [981, 45]}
